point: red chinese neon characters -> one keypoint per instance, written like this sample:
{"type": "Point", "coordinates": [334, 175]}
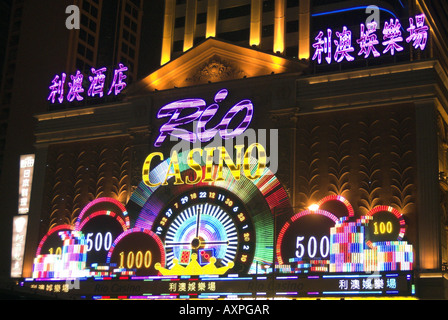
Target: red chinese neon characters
{"type": "Point", "coordinates": [202, 114]}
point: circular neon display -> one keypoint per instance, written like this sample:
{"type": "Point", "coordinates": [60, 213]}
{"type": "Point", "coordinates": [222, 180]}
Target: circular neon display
{"type": "Point", "coordinates": [52, 242]}
{"type": "Point", "coordinates": [305, 237]}
{"type": "Point", "coordinates": [100, 230]}
{"type": "Point", "coordinates": [261, 197]}
{"type": "Point", "coordinates": [387, 224]}
{"type": "Point", "coordinates": [103, 204]}
{"type": "Point", "coordinates": [137, 250]}
{"type": "Point", "coordinates": [211, 223]}
{"type": "Point", "coordinates": [337, 205]}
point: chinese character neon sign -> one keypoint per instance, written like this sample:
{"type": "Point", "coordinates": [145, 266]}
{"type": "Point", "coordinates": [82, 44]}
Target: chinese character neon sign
{"type": "Point", "coordinates": [368, 40]}
{"type": "Point", "coordinates": [96, 88]}
{"type": "Point", "coordinates": [25, 182]}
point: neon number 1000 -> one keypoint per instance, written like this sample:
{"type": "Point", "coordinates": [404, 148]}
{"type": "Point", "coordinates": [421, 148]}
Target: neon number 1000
{"type": "Point", "coordinates": [137, 260]}
{"type": "Point", "coordinates": [312, 247]}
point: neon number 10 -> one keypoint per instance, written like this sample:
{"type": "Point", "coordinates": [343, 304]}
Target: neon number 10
{"type": "Point", "coordinates": [311, 247]}
{"type": "Point", "coordinates": [383, 228]}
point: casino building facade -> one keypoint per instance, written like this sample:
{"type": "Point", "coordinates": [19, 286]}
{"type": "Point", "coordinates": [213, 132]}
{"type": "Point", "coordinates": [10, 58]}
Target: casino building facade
{"type": "Point", "coordinates": [283, 149]}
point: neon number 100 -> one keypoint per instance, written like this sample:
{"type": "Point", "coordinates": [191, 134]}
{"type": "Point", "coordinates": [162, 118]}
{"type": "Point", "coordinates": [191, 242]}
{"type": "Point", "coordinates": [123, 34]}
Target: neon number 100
{"type": "Point", "coordinates": [382, 228]}
{"type": "Point", "coordinates": [311, 247]}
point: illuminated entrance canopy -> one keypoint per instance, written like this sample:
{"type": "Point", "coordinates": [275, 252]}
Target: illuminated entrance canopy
{"type": "Point", "coordinates": [339, 46]}
{"type": "Point", "coordinates": [96, 87]}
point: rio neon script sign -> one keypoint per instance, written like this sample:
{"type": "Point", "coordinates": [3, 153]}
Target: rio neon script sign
{"type": "Point", "coordinates": [199, 113]}
{"type": "Point", "coordinates": [96, 87]}
{"type": "Point", "coordinates": [368, 41]}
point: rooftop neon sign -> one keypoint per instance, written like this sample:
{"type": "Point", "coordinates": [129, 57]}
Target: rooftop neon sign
{"type": "Point", "coordinates": [340, 45]}
{"type": "Point", "coordinates": [76, 88]}
{"type": "Point", "coordinates": [202, 114]}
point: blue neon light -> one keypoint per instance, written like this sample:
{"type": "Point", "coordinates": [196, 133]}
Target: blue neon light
{"type": "Point", "coordinates": [352, 9]}
{"type": "Point", "coordinates": [349, 9]}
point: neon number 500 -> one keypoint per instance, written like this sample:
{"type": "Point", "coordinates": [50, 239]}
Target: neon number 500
{"type": "Point", "coordinates": [99, 242]}
{"type": "Point", "coordinates": [311, 247]}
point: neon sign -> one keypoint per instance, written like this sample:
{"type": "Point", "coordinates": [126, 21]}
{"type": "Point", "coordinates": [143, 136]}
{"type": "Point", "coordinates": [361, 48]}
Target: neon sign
{"type": "Point", "coordinates": [25, 182]}
{"type": "Point", "coordinates": [199, 114]}
{"type": "Point", "coordinates": [96, 88]}
{"type": "Point", "coordinates": [368, 41]}
{"type": "Point", "coordinates": [202, 114]}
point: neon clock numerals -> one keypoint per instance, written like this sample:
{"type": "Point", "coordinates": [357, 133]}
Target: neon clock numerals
{"type": "Point", "coordinates": [208, 219]}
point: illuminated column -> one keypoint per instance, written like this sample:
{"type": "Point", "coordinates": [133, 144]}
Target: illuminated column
{"type": "Point", "coordinates": [279, 26]}
{"type": "Point", "coordinates": [190, 24]}
{"type": "Point", "coordinates": [428, 202]}
{"type": "Point", "coordinates": [168, 31]}
{"type": "Point", "coordinates": [255, 22]}
{"type": "Point", "coordinates": [304, 29]}
{"type": "Point", "coordinates": [212, 18]}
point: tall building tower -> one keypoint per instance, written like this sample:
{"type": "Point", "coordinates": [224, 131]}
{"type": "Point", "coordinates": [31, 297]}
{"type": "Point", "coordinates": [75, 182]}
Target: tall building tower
{"type": "Point", "coordinates": [39, 46]}
{"type": "Point", "coordinates": [279, 26]}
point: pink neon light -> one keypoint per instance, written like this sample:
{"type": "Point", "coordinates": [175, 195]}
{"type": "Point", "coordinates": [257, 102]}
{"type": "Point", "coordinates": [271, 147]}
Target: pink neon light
{"type": "Point", "coordinates": [392, 35]}
{"type": "Point", "coordinates": [103, 213]}
{"type": "Point", "coordinates": [51, 232]}
{"type": "Point", "coordinates": [319, 212]}
{"type": "Point", "coordinates": [57, 88]}
{"type": "Point", "coordinates": [76, 87]}
{"type": "Point", "coordinates": [347, 204]}
{"type": "Point", "coordinates": [88, 207]}
{"type": "Point", "coordinates": [323, 45]}
{"type": "Point", "coordinates": [135, 230]}
{"type": "Point", "coordinates": [97, 82]}
{"type": "Point", "coordinates": [200, 112]}
{"type": "Point", "coordinates": [368, 40]}
{"type": "Point", "coordinates": [118, 83]}
{"type": "Point", "coordinates": [344, 45]}
{"type": "Point", "coordinates": [418, 32]}
{"type": "Point", "coordinates": [293, 219]}
{"type": "Point", "coordinates": [396, 213]}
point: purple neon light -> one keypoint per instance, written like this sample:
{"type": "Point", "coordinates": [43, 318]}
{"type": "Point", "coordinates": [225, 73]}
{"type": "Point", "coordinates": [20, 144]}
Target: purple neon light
{"type": "Point", "coordinates": [174, 110]}
{"type": "Point", "coordinates": [118, 83]}
{"type": "Point", "coordinates": [57, 88]}
{"type": "Point", "coordinates": [344, 45]}
{"type": "Point", "coordinates": [97, 82]}
{"type": "Point", "coordinates": [198, 111]}
{"type": "Point", "coordinates": [392, 35]}
{"type": "Point", "coordinates": [76, 87]}
{"type": "Point", "coordinates": [418, 32]}
{"type": "Point", "coordinates": [368, 40]}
